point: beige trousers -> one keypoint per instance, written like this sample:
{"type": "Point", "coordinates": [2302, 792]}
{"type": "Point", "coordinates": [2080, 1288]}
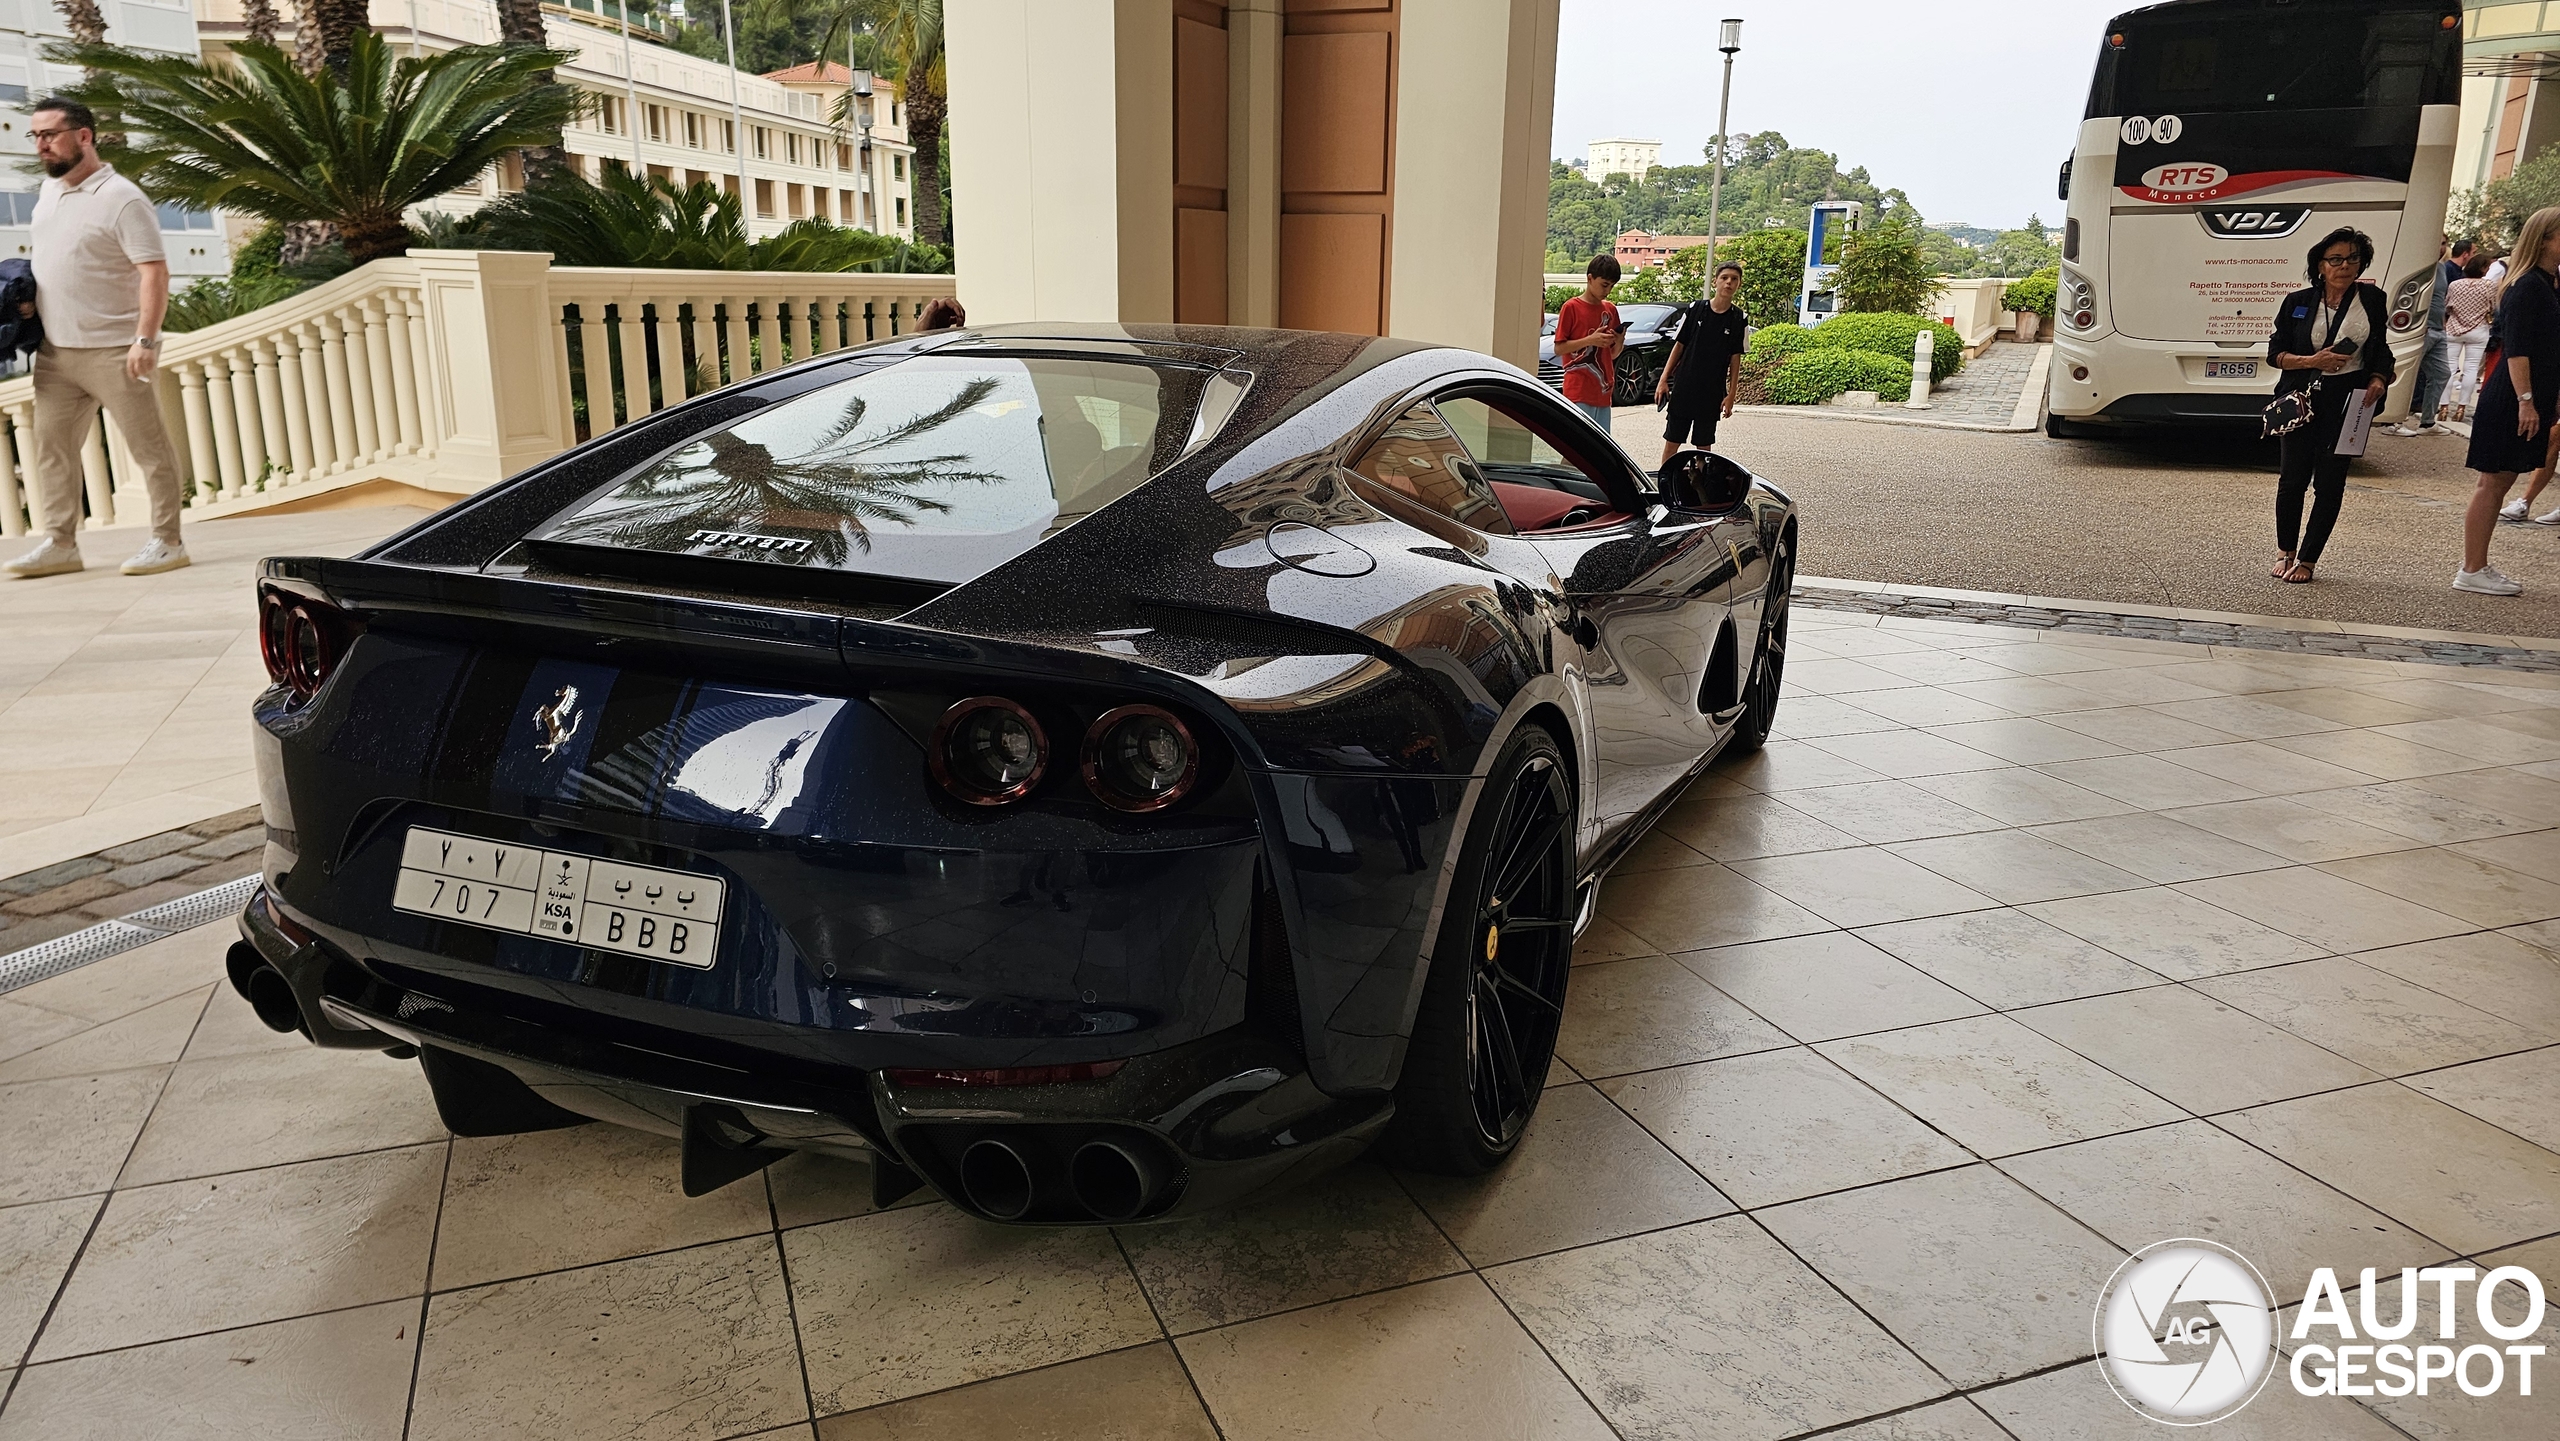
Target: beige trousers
{"type": "Point", "coordinates": [71, 385]}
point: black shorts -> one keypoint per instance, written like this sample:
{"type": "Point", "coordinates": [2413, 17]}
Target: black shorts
{"type": "Point", "coordinates": [1693, 421]}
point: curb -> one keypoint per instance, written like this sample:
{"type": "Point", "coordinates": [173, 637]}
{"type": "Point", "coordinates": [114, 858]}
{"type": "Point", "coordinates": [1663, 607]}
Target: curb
{"type": "Point", "coordinates": [47, 959]}
{"type": "Point", "coordinates": [2309, 624]}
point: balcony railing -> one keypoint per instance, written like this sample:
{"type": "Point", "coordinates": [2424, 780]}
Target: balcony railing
{"type": "Point", "coordinates": [447, 370]}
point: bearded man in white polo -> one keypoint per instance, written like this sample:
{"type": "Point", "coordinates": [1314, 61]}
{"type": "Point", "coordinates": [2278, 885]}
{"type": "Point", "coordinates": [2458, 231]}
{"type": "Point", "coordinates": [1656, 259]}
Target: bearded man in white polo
{"type": "Point", "coordinates": [102, 285]}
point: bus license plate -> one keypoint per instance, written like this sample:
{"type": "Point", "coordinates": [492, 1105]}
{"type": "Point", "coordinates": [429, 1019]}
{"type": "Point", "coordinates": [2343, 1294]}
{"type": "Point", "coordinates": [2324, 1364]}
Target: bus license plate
{"type": "Point", "coordinates": [2231, 370]}
{"type": "Point", "coordinates": [645, 911]}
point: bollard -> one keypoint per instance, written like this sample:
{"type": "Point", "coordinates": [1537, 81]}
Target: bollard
{"type": "Point", "coordinates": [1923, 349]}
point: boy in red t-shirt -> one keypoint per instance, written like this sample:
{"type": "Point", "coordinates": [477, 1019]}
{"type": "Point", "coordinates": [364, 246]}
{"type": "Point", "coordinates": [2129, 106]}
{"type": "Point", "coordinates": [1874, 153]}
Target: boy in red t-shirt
{"type": "Point", "coordinates": [1588, 339]}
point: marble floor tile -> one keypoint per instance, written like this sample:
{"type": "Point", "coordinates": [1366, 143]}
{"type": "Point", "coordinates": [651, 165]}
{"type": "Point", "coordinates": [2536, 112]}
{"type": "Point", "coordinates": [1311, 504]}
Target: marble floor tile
{"type": "Point", "coordinates": [1821, 987]}
{"type": "Point", "coordinates": [2514, 1092]}
{"type": "Point", "coordinates": [1710, 1330]}
{"type": "Point", "coordinates": [1904, 754]}
{"type": "Point", "coordinates": [37, 1242]}
{"type": "Point", "coordinates": [2157, 848]}
{"type": "Point", "coordinates": [1658, 851]}
{"type": "Point", "coordinates": [1957, 1420]}
{"type": "Point", "coordinates": [1140, 1394]}
{"type": "Point", "coordinates": [549, 1200]}
{"type": "Point", "coordinates": [2382, 757]}
{"type": "Point", "coordinates": [1747, 826]}
{"type": "Point", "coordinates": [2459, 885]}
{"type": "Point", "coordinates": [2247, 717]}
{"type": "Point", "coordinates": [2192, 1179]}
{"type": "Point", "coordinates": [2192, 1050]}
{"type": "Point", "coordinates": [339, 1377]}
{"type": "Point", "coordinates": [689, 1345]}
{"type": "Point", "coordinates": [25, 1028]}
{"type": "Point", "coordinates": [1583, 1173]}
{"type": "Point", "coordinates": [1842, 676]}
{"type": "Point", "coordinates": [152, 1036]}
{"type": "Point", "coordinates": [1343, 1234]}
{"type": "Point", "coordinates": [2266, 769]}
{"type": "Point", "coordinates": [1864, 887]}
{"type": "Point", "coordinates": [2536, 853]}
{"type": "Point", "coordinates": [2420, 814]}
{"type": "Point", "coordinates": [229, 1028]}
{"type": "Point", "coordinates": [2296, 832]}
{"type": "Point", "coordinates": [1781, 1125]}
{"type": "Point", "coordinates": [272, 1107]}
{"type": "Point", "coordinates": [907, 1301]}
{"type": "Point", "coordinates": [143, 976]}
{"type": "Point", "coordinates": [2349, 707]}
{"type": "Point", "coordinates": [1702, 906]}
{"type": "Point", "coordinates": [2370, 1017]}
{"type": "Point", "coordinates": [2005, 959]}
{"type": "Point", "coordinates": [1877, 812]}
{"type": "Point", "coordinates": [193, 1256]}
{"type": "Point", "coordinates": [2147, 781]}
{"type": "Point", "coordinates": [1783, 766]}
{"type": "Point", "coordinates": [1441, 1361]}
{"type": "Point", "coordinates": [1941, 667]}
{"type": "Point", "coordinates": [1650, 1012]}
{"type": "Point", "coordinates": [1804, 717]}
{"type": "Point", "coordinates": [2392, 1148]}
{"type": "Point", "coordinates": [1997, 1087]}
{"type": "Point", "coordinates": [1980, 1276]}
{"type": "Point", "coordinates": [2076, 1404]}
{"type": "Point", "coordinates": [2445, 1411]}
{"type": "Point", "coordinates": [2025, 741]}
{"type": "Point", "coordinates": [2486, 970]}
{"type": "Point", "coordinates": [2326, 910]}
{"type": "Point", "coordinates": [2138, 727]}
{"type": "Point", "coordinates": [1921, 705]}
{"type": "Point", "coordinates": [2477, 737]}
{"type": "Point", "coordinates": [68, 1135]}
{"type": "Point", "coordinates": [2172, 933]}
{"type": "Point", "coordinates": [1606, 940]}
{"type": "Point", "coordinates": [2029, 696]}
{"type": "Point", "coordinates": [2020, 796]}
{"type": "Point", "coordinates": [2016, 868]}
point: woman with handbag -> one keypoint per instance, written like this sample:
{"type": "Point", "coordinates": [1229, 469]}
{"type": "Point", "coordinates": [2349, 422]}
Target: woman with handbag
{"type": "Point", "coordinates": [2331, 344]}
{"type": "Point", "coordinates": [2516, 399]}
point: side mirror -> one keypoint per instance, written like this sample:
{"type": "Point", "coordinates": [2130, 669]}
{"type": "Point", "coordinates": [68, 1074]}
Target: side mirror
{"type": "Point", "coordinates": [2062, 192]}
{"type": "Point", "coordinates": [1704, 483]}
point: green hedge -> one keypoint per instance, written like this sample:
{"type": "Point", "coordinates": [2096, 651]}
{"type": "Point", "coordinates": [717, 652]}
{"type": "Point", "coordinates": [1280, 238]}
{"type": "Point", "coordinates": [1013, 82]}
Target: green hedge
{"type": "Point", "coordinates": [1780, 340]}
{"type": "Point", "coordinates": [1557, 295]}
{"type": "Point", "coordinates": [1891, 336]}
{"type": "Point", "coordinates": [1814, 376]}
{"type": "Point", "coordinates": [2033, 293]}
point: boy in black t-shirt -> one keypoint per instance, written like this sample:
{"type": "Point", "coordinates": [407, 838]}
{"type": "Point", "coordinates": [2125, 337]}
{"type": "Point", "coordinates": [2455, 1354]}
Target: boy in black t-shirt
{"type": "Point", "coordinates": [1705, 365]}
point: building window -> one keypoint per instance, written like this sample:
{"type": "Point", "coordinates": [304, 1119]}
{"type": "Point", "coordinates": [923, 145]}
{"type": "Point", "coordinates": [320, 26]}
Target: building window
{"type": "Point", "coordinates": [902, 212]}
{"type": "Point", "coordinates": [729, 136]}
{"type": "Point", "coordinates": [897, 167]}
{"type": "Point", "coordinates": [692, 130]}
{"type": "Point", "coordinates": [609, 117]}
{"type": "Point", "coordinates": [764, 200]}
{"type": "Point", "coordinates": [893, 114]}
{"type": "Point", "coordinates": [791, 147]}
{"type": "Point", "coordinates": [845, 211]}
{"type": "Point", "coordinates": [656, 118]}
{"type": "Point", "coordinates": [764, 143]}
{"type": "Point", "coordinates": [844, 157]}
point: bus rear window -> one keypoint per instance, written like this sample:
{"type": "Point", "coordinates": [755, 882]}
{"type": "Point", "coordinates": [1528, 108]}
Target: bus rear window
{"type": "Point", "coordinates": [2250, 55]}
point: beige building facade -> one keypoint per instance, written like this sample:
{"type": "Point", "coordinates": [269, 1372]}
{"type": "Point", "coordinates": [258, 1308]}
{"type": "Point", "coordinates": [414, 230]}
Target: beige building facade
{"type": "Point", "coordinates": [1630, 158]}
{"type": "Point", "coordinates": [1371, 166]}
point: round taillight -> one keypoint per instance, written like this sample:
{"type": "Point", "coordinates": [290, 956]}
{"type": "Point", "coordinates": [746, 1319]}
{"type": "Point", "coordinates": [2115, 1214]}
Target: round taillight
{"type": "Point", "coordinates": [988, 751]}
{"type": "Point", "coordinates": [2400, 320]}
{"type": "Point", "coordinates": [306, 653]}
{"type": "Point", "coordinates": [2084, 318]}
{"type": "Point", "coordinates": [1140, 758]}
{"type": "Point", "coordinates": [2079, 372]}
{"type": "Point", "coordinates": [275, 637]}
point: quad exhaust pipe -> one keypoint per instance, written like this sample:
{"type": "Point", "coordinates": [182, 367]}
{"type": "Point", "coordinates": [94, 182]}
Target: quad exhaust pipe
{"type": "Point", "coordinates": [265, 989]}
{"type": "Point", "coordinates": [997, 1180]}
{"type": "Point", "coordinates": [1113, 1181]}
{"type": "Point", "coordinates": [1018, 1177]}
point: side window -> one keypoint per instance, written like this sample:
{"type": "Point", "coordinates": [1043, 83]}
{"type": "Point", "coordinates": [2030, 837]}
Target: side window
{"type": "Point", "coordinates": [1420, 459]}
{"type": "Point", "coordinates": [1539, 483]}
{"type": "Point", "coordinates": [1494, 438]}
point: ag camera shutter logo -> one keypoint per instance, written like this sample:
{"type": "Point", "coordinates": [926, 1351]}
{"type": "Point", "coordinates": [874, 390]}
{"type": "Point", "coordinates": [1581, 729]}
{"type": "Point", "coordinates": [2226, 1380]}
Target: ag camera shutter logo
{"type": "Point", "coordinates": [2186, 1332]}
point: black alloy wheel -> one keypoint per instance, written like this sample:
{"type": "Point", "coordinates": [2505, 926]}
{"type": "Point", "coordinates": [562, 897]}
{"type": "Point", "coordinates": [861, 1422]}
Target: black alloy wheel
{"type": "Point", "coordinates": [1486, 1030]}
{"type": "Point", "coordinates": [1769, 661]}
{"type": "Point", "coordinates": [1634, 386]}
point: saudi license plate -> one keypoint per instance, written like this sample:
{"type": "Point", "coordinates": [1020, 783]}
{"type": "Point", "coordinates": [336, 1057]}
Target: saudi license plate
{"type": "Point", "coordinates": [645, 911]}
{"type": "Point", "coordinates": [2231, 370]}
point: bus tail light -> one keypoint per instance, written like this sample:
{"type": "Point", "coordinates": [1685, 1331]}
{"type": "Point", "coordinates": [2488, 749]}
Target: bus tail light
{"type": "Point", "coordinates": [2409, 299]}
{"type": "Point", "coordinates": [2079, 308]}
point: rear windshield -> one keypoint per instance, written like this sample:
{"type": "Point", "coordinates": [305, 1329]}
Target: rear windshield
{"type": "Point", "coordinates": [936, 468]}
{"type": "Point", "coordinates": [2251, 55]}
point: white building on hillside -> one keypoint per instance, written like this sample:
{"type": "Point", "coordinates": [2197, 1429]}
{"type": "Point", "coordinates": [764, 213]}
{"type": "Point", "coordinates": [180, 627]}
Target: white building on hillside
{"type": "Point", "coordinates": [194, 239]}
{"type": "Point", "coordinates": [672, 115]}
{"type": "Point", "coordinates": [1630, 158]}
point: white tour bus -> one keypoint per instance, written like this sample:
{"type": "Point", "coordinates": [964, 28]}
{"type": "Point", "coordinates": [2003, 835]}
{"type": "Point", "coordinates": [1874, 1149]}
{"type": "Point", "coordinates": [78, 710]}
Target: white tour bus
{"type": "Point", "coordinates": [2222, 138]}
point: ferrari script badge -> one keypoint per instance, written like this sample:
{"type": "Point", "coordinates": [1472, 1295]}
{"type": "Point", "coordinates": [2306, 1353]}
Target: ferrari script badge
{"type": "Point", "coordinates": [558, 721]}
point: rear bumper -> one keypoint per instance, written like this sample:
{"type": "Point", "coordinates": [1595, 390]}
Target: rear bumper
{"type": "Point", "coordinates": [2159, 382]}
{"type": "Point", "coordinates": [1224, 1116]}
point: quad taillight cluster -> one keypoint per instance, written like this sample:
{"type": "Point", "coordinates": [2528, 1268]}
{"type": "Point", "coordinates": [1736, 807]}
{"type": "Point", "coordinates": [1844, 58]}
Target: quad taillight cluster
{"type": "Point", "coordinates": [301, 639]}
{"type": "Point", "coordinates": [988, 751]}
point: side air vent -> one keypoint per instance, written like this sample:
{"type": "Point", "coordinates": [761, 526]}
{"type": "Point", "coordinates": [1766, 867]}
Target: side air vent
{"type": "Point", "coordinates": [1719, 692]}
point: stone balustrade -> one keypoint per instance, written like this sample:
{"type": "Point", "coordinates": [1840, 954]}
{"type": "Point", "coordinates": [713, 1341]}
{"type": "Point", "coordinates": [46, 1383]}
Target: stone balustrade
{"type": "Point", "coordinates": [445, 371]}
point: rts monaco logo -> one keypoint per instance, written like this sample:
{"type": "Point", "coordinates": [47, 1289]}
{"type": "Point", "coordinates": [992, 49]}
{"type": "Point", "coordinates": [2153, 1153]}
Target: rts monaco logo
{"type": "Point", "coordinates": [2186, 177]}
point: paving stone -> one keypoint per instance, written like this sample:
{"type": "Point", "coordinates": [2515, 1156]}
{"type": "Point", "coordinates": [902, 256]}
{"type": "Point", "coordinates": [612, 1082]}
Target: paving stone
{"type": "Point", "coordinates": [45, 878]}
{"type": "Point", "coordinates": [223, 848]}
{"type": "Point", "coordinates": [227, 822]}
{"type": "Point", "coordinates": [79, 892]}
{"type": "Point", "coordinates": [21, 932]}
{"type": "Point", "coordinates": [158, 868]}
{"type": "Point", "coordinates": [125, 903]}
{"type": "Point", "coordinates": [220, 871]}
{"type": "Point", "coordinates": [148, 847]}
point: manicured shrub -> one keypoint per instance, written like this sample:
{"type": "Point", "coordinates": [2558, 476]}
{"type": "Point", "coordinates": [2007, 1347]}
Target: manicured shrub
{"type": "Point", "coordinates": [2034, 293]}
{"type": "Point", "coordinates": [1780, 340]}
{"type": "Point", "coordinates": [1891, 335]}
{"type": "Point", "coordinates": [1557, 295]}
{"type": "Point", "coordinates": [1814, 376]}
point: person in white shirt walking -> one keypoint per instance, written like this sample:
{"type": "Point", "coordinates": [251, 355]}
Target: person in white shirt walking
{"type": "Point", "coordinates": [102, 286]}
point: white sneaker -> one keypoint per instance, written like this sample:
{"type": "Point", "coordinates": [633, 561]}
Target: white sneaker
{"type": "Point", "coordinates": [2404, 428]}
{"type": "Point", "coordinates": [2485, 581]}
{"type": "Point", "coordinates": [156, 557]}
{"type": "Point", "coordinates": [2512, 510]}
{"type": "Point", "coordinates": [2548, 517]}
{"type": "Point", "coordinates": [47, 558]}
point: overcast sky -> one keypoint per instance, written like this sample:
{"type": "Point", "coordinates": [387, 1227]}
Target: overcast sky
{"type": "Point", "coordinates": [1968, 105]}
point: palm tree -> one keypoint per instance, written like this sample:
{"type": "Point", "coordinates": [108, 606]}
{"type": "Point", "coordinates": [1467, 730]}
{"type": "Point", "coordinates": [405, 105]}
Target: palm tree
{"type": "Point", "coordinates": [86, 22]}
{"type": "Point", "coordinates": [520, 23]}
{"type": "Point", "coordinates": [905, 40]}
{"type": "Point", "coordinates": [324, 33]}
{"type": "Point", "coordinates": [650, 222]}
{"type": "Point", "coordinates": [258, 21]}
{"type": "Point", "coordinates": [356, 150]}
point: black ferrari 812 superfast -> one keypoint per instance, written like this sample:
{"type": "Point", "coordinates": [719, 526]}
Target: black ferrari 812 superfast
{"type": "Point", "coordinates": [1095, 772]}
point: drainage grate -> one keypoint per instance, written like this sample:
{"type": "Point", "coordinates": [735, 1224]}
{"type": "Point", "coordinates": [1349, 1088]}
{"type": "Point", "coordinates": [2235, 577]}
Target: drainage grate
{"type": "Point", "coordinates": [69, 953]}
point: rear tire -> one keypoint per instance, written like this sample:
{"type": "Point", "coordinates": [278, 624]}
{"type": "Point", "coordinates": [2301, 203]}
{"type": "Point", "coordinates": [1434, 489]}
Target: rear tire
{"type": "Point", "coordinates": [1491, 1004]}
{"type": "Point", "coordinates": [1769, 658]}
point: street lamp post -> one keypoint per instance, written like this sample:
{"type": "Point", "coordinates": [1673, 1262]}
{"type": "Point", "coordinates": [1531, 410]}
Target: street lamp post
{"type": "Point", "coordinates": [631, 94]}
{"type": "Point", "coordinates": [1729, 41]}
{"type": "Point", "coordinates": [737, 116]}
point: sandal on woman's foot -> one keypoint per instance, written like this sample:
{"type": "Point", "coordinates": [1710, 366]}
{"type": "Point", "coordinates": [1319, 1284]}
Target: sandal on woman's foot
{"type": "Point", "coordinates": [2284, 566]}
{"type": "Point", "coordinates": [2299, 574]}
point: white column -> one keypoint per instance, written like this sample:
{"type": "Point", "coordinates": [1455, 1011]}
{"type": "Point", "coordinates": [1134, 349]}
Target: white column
{"type": "Point", "coordinates": [191, 399]}
{"type": "Point", "coordinates": [404, 373]}
{"type": "Point", "coordinates": [378, 369]}
{"type": "Point", "coordinates": [735, 324]}
{"type": "Point", "coordinates": [342, 404]}
{"type": "Point", "coordinates": [358, 345]}
{"type": "Point", "coordinates": [595, 365]}
{"type": "Point", "coordinates": [275, 439]}
{"type": "Point", "coordinates": [223, 420]}
{"type": "Point", "coordinates": [628, 336]}
{"type": "Point", "coordinates": [295, 384]}
{"type": "Point", "coordinates": [245, 410]}
{"type": "Point", "coordinates": [315, 401]}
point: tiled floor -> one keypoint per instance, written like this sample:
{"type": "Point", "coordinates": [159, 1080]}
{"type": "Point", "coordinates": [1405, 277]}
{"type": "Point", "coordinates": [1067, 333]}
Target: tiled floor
{"type": "Point", "coordinates": [2008, 956]}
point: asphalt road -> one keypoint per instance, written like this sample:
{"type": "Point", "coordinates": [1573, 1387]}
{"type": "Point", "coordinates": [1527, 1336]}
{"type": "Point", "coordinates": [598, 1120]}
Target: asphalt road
{"type": "Point", "coordinates": [2182, 520]}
